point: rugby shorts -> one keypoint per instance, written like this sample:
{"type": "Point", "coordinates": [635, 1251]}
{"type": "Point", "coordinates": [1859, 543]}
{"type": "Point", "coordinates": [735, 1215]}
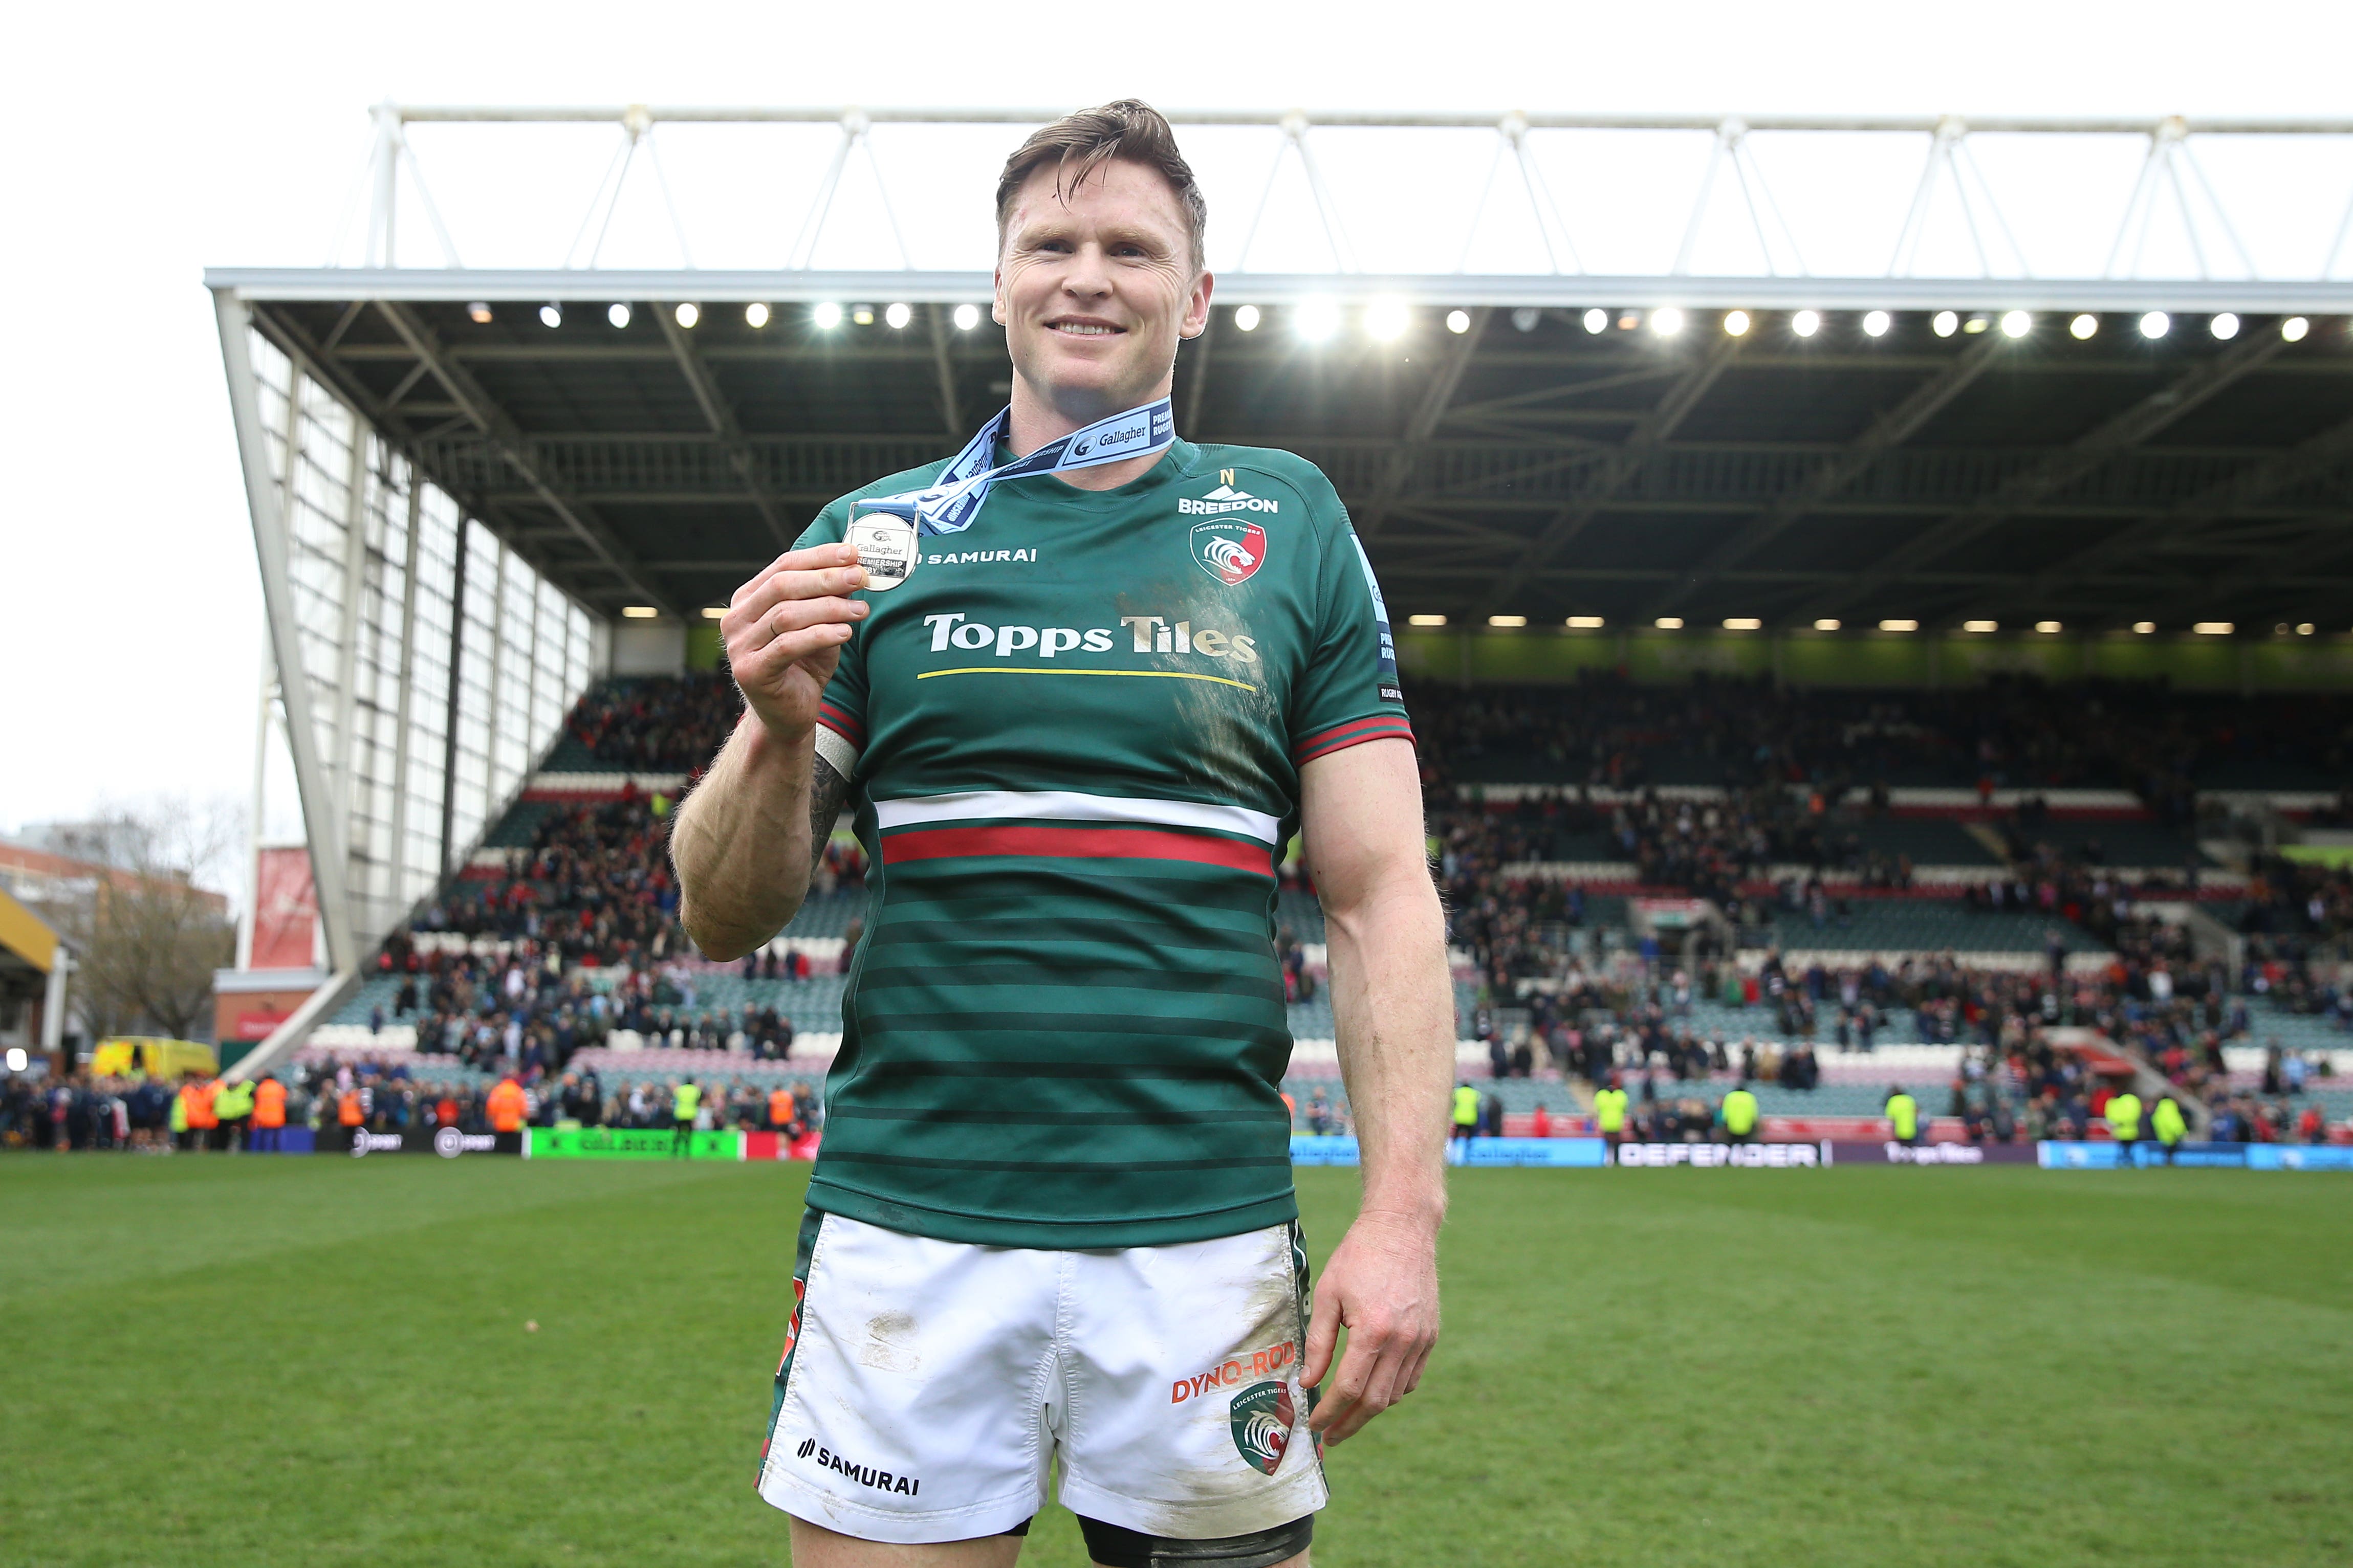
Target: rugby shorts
{"type": "Point", "coordinates": [928, 1386]}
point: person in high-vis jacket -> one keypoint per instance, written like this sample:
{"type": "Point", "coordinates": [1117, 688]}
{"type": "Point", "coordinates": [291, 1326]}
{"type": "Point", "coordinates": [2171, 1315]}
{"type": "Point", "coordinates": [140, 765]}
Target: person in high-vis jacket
{"type": "Point", "coordinates": [1609, 1114]}
{"type": "Point", "coordinates": [1903, 1116]}
{"type": "Point", "coordinates": [1466, 1112]}
{"type": "Point", "coordinates": [268, 1115]}
{"type": "Point", "coordinates": [2170, 1125]}
{"type": "Point", "coordinates": [202, 1120]}
{"type": "Point", "coordinates": [2123, 1123]}
{"type": "Point", "coordinates": [233, 1106]}
{"type": "Point", "coordinates": [1740, 1115]}
{"type": "Point", "coordinates": [684, 1101]}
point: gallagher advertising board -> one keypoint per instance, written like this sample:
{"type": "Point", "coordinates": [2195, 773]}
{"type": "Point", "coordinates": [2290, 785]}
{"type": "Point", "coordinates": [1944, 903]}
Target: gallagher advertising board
{"type": "Point", "coordinates": [630, 1143]}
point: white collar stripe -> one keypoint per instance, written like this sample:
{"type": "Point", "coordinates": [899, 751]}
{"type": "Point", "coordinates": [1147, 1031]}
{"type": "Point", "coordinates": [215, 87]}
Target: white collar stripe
{"type": "Point", "coordinates": [1062, 805]}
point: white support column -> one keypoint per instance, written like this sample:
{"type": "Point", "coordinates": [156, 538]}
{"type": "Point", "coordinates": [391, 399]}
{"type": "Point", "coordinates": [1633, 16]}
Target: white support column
{"type": "Point", "coordinates": [398, 890]}
{"type": "Point", "coordinates": [496, 689]}
{"type": "Point", "coordinates": [52, 1001]}
{"type": "Point", "coordinates": [256, 816]}
{"type": "Point", "coordinates": [321, 817]}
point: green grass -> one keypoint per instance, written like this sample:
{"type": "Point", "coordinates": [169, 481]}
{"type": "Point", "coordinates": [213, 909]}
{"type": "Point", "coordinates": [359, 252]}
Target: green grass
{"type": "Point", "coordinates": [323, 1360]}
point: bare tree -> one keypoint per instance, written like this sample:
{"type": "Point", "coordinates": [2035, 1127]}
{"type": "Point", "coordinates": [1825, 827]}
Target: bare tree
{"type": "Point", "coordinates": [147, 937]}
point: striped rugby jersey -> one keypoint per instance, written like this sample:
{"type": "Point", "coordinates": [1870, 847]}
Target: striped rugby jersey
{"type": "Point", "coordinates": [1074, 737]}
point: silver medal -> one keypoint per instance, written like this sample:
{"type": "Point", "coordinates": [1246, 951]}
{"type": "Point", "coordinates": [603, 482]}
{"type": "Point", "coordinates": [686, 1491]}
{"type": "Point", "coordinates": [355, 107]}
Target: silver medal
{"type": "Point", "coordinates": [886, 548]}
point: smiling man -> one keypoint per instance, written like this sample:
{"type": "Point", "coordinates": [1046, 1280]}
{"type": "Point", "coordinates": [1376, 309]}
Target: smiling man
{"type": "Point", "coordinates": [1080, 685]}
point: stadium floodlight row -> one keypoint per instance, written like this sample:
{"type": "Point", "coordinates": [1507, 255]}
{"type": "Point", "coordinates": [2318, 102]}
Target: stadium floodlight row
{"type": "Point", "coordinates": [475, 489]}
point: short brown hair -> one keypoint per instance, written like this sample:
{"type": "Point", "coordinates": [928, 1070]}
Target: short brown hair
{"type": "Point", "coordinates": [1078, 143]}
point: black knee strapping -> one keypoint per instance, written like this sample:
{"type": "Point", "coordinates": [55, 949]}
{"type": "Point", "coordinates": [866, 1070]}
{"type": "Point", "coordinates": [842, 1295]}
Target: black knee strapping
{"type": "Point", "coordinates": [1115, 1546]}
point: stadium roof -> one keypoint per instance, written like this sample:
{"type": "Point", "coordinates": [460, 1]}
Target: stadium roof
{"type": "Point", "coordinates": [1560, 457]}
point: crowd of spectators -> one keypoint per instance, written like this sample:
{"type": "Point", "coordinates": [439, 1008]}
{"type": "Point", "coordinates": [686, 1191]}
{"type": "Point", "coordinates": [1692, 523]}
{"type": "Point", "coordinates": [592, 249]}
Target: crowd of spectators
{"type": "Point", "coordinates": [134, 1113]}
{"type": "Point", "coordinates": [658, 723]}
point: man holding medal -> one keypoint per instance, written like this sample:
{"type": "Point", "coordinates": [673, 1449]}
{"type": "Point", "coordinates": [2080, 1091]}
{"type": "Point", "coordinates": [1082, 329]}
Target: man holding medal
{"type": "Point", "coordinates": [1080, 686]}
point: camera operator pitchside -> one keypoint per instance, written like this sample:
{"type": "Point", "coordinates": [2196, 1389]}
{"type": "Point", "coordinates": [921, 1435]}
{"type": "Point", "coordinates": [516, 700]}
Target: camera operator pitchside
{"type": "Point", "coordinates": [1079, 686]}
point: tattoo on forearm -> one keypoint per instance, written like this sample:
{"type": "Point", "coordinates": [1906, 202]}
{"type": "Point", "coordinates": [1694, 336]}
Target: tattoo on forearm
{"type": "Point", "coordinates": [828, 790]}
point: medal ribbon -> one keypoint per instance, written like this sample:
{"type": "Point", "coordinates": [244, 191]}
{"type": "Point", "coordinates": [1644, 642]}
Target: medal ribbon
{"type": "Point", "coordinates": [950, 505]}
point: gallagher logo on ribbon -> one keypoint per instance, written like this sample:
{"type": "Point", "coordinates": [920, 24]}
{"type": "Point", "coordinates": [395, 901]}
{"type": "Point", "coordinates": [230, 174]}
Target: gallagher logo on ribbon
{"type": "Point", "coordinates": [1229, 550]}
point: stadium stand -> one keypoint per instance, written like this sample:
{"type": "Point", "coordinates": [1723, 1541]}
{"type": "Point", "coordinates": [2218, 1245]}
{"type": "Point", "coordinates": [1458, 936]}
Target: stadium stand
{"type": "Point", "coordinates": [1919, 890]}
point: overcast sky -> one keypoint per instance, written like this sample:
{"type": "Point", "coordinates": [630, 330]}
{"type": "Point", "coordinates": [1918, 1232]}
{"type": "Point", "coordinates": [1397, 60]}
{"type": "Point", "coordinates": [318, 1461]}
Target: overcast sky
{"type": "Point", "coordinates": [153, 142]}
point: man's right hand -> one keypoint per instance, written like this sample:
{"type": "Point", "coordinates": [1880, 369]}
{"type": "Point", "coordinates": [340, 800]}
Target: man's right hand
{"type": "Point", "coordinates": [784, 631]}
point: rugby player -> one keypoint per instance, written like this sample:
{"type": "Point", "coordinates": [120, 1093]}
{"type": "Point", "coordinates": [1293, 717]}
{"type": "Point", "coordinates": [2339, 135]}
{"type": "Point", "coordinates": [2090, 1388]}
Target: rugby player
{"type": "Point", "coordinates": [1053, 1219]}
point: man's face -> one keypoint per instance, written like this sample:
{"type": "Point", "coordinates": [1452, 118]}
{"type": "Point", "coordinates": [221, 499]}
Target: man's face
{"type": "Point", "coordinates": [1095, 285]}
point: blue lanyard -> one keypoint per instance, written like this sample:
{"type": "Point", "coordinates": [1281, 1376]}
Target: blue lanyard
{"type": "Point", "coordinates": [950, 505]}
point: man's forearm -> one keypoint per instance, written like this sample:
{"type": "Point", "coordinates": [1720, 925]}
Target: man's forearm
{"type": "Point", "coordinates": [1393, 1019]}
{"type": "Point", "coordinates": [743, 842]}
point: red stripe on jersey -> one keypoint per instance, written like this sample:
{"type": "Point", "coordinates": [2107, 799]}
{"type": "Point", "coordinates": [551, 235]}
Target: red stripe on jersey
{"type": "Point", "coordinates": [1340, 737]}
{"type": "Point", "coordinates": [1069, 843]}
{"type": "Point", "coordinates": [842, 724]}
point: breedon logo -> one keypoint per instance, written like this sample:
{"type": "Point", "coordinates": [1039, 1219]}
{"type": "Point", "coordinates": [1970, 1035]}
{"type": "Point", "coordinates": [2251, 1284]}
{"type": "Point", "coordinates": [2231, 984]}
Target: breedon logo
{"type": "Point", "coordinates": [1229, 551]}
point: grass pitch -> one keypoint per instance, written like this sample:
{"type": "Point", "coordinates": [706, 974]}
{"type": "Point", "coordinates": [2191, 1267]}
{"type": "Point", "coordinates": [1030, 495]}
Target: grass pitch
{"type": "Point", "coordinates": [323, 1360]}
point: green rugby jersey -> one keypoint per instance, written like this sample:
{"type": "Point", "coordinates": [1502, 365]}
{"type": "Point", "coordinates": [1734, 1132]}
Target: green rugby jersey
{"type": "Point", "coordinates": [1073, 737]}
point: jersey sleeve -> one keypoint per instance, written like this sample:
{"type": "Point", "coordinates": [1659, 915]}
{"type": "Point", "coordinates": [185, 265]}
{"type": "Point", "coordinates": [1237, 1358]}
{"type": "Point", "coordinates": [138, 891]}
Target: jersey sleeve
{"type": "Point", "coordinates": [1348, 692]}
{"type": "Point", "coordinates": [841, 710]}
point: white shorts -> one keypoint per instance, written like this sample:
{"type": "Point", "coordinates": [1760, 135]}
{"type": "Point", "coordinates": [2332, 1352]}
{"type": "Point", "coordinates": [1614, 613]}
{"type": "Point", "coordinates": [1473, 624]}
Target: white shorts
{"type": "Point", "coordinates": [926, 1386]}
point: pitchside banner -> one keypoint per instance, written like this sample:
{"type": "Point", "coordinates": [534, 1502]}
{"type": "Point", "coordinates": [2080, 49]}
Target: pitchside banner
{"type": "Point", "coordinates": [1307, 1150]}
{"type": "Point", "coordinates": [1708, 1156]}
{"type": "Point", "coordinates": [2069, 1156]}
{"type": "Point", "coordinates": [629, 1143]}
{"type": "Point", "coordinates": [1844, 1152]}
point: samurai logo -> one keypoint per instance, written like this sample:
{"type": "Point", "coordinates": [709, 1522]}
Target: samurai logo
{"type": "Point", "coordinates": [1262, 1414]}
{"type": "Point", "coordinates": [1228, 551]}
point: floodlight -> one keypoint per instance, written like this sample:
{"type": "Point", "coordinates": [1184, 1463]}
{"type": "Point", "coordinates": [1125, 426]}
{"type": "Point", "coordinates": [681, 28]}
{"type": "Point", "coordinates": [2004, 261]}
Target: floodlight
{"type": "Point", "coordinates": [617, 313]}
{"type": "Point", "coordinates": [2144, 627]}
{"type": "Point", "coordinates": [1899, 626]}
{"type": "Point", "coordinates": [688, 313]}
{"type": "Point", "coordinates": [1945, 324]}
{"type": "Point", "coordinates": [826, 316]}
{"type": "Point", "coordinates": [2084, 326]}
{"type": "Point", "coordinates": [2048, 628]}
{"type": "Point", "coordinates": [2016, 323]}
{"type": "Point", "coordinates": [2224, 327]}
{"type": "Point", "coordinates": [1425, 620]}
{"type": "Point", "coordinates": [2303, 628]}
{"type": "Point", "coordinates": [550, 314]}
{"type": "Point", "coordinates": [1669, 623]}
{"type": "Point", "coordinates": [862, 315]}
{"type": "Point", "coordinates": [1526, 317]}
{"type": "Point", "coordinates": [715, 611]}
{"type": "Point", "coordinates": [756, 314]}
{"type": "Point", "coordinates": [1316, 319]}
{"type": "Point", "coordinates": [1666, 321]}
{"type": "Point", "coordinates": [17, 1059]}
{"type": "Point", "coordinates": [1827, 624]}
{"type": "Point", "coordinates": [1976, 324]}
{"type": "Point", "coordinates": [1597, 319]}
{"type": "Point", "coordinates": [1744, 624]}
{"type": "Point", "coordinates": [2155, 324]}
{"type": "Point", "coordinates": [478, 313]}
{"type": "Point", "coordinates": [1507, 622]}
{"type": "Point", "coordinates": [1735, 323]}
{"type": "Point", "coordinates": [1586, 623]}
{"type": "Point", "coordinates": [1457, 322]}
{"type": "Point", "coordinates": [1876, 322]}
{"type": "Point", "coordinates": [1386, 320]}
{"type": "Point", "coordinates": [966, 318]}
{"type": "Point", "coordinates": [2294, 329]}
{"type": "Point", "coordinates": [1805, 323]}
{"type": "Point", "coordinates": [640, 611]}
{"type": "Point", "coordinates": [2213, 628]}
{"type": "Point", "coordinates": [1980, 626]}
{"type": "Point", "coordinates": [898, 316]}
{"type": "Point", "coordinates": [1246, 318]}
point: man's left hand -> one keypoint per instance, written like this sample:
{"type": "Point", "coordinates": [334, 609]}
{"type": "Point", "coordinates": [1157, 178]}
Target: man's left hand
{"type": "Point", "coordinates": [1381, 1285]}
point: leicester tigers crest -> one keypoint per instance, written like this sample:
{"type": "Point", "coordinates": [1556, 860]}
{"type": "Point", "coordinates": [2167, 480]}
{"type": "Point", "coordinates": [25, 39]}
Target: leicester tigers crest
{"type": "Point", "coordinates": [1229, 550]}
{"type": "Point", "coordinates": [1262, 1414]}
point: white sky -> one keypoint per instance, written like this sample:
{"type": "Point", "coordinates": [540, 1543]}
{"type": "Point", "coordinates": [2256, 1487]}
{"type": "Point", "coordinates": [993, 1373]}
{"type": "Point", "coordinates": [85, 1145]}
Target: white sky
{"type": "Point", "coordinates": [153, 142]}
